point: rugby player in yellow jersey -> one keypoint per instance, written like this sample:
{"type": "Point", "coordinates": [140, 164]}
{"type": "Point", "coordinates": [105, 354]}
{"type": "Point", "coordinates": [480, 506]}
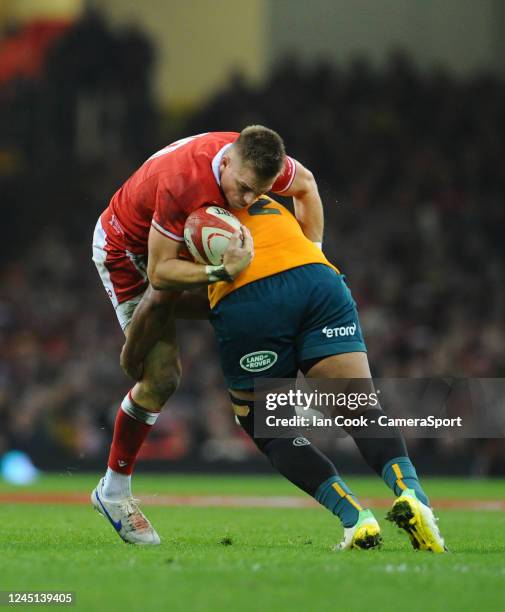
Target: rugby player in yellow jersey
{"type": "Point", "coordinates": [304, 295]}
{"type": "Point", "coordinates": [281, 308]}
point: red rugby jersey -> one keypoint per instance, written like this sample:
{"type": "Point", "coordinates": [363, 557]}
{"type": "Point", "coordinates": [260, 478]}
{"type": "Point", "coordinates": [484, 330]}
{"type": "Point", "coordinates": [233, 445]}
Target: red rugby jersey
{"type": "Point", "coordinates": [169, 186]}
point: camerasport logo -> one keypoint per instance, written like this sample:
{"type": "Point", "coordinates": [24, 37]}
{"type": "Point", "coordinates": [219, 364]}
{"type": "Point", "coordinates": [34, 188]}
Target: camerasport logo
{"type": "Point", "coordinates": [335, 332]}
{"type": "Point", "coordinates": [258, 361]}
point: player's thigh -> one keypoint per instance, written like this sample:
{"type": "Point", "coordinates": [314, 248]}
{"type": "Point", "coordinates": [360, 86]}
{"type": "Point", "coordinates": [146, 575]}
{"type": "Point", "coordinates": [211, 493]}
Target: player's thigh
{"type": "Point", "coordinates": [162, 364]}
{"type": "Point", "coordinates": [255, 334]}
{"type": "Point", "coordinates": [330, 330]}
{"type": "Point", "coordinates": [343, 365]}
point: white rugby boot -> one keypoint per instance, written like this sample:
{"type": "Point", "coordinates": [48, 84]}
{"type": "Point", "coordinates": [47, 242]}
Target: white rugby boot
{"type": "Point", "coordinates": [418, 521]}
{"type": "Point", "coordinates": [126, 518]}
{"type": "Point", "coordinates": [363, 535]}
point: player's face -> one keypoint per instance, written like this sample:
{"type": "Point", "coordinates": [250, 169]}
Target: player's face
{"type": "Point", "coordinates": [239, 183]}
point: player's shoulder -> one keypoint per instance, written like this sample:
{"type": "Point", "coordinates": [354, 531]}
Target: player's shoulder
{"type": "Point", "coordinates": [212, 142]}
{"type": "Point", "coordinates": [183, 154]}
{"type": "Point", "coordinates": [186, 168]}
{"type": "Point", "coordinates": [224, 137]}
{"type": "Point", "coordinates": [200, 162]}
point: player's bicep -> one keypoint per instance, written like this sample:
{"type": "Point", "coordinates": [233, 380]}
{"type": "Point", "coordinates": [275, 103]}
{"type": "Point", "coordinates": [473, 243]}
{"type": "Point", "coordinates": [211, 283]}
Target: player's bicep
{"type": "Point", "coordinates": [161, 248]}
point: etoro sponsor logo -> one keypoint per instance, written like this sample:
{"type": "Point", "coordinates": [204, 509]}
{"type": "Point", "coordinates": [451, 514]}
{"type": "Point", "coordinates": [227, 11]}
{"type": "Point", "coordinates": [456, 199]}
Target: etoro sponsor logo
{"type": "Point", "coordinates": [335, 332]}
{"type": "Point", "coordinates": [258, 361]}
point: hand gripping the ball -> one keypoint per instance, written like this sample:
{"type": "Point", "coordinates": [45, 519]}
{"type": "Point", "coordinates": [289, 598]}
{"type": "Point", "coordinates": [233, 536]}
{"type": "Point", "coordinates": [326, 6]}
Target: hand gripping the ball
{"type": "Point", "coordinates": [239, 252]}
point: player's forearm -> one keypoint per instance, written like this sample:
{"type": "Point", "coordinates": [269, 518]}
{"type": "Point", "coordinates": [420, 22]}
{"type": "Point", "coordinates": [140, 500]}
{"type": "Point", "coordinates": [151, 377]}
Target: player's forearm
{"type": "Point", "coordinates": [166, 272]}
{"type": "Point", "coordinates": [177, 274]}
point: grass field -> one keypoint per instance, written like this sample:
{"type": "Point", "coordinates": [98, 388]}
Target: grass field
{"type": "Point", "coordinates": [249, 558]}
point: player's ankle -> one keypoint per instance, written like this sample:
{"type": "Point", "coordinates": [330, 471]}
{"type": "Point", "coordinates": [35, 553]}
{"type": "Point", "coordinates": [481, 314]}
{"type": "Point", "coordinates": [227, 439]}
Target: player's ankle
{"type": "Point", "coordinates": [116, 485]}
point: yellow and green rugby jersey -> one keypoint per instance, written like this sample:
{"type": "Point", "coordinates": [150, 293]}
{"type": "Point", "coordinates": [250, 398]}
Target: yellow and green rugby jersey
{"type": "Point", "coordinates": [279, 244]}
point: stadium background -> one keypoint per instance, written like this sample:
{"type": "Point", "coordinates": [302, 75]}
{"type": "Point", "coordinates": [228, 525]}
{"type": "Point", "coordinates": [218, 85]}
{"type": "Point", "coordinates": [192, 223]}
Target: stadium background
{"type": "Point", "coordinates": [397, 107]}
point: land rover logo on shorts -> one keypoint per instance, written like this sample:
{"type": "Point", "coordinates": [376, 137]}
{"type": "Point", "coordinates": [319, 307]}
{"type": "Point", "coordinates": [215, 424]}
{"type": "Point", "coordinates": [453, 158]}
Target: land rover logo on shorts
{"type": "Point", "coordinates": [258, 361]}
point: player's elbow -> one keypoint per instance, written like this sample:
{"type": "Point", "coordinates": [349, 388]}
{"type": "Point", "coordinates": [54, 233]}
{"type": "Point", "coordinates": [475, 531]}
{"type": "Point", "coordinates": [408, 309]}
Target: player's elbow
{"type": "Point", "coordinates": [163, 275]}
{"type": "Point", "coordinates": [155, 279]}
{"type": "Point", "coordinates": [158, 283]}
{"type": "Point", "coordinates": [155, 284]}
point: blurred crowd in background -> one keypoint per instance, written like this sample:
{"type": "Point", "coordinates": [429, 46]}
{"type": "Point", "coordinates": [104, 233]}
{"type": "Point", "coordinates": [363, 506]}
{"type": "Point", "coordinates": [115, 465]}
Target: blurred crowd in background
{"type": "Point", "coordinates": [411, 169]}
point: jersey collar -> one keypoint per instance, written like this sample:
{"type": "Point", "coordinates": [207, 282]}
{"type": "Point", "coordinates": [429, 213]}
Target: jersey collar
{"type": "Point", "coordinates": [216, 162]}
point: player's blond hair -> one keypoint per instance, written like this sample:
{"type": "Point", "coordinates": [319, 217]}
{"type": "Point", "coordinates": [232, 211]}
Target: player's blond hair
{"type": "Point", "coordinates": [262, 149]}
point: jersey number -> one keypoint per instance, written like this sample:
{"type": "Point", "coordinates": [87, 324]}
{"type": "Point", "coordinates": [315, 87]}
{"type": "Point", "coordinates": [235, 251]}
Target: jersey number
{"type": "Point", "coordinates": [258, 208]}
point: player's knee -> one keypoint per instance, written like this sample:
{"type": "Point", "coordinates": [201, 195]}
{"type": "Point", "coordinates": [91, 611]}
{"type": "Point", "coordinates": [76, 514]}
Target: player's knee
{"type": "Point", "coordinates": [164, 384]}
{"type": "Point", "coordinates": [167, 386]}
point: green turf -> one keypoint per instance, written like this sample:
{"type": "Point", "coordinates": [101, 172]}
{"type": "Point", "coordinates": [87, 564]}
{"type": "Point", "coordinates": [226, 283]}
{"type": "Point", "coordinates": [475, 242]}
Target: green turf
{"type": "Point", "coordinates": [457, 488]}
{"type": "Point", "coordinates": [251, 559]}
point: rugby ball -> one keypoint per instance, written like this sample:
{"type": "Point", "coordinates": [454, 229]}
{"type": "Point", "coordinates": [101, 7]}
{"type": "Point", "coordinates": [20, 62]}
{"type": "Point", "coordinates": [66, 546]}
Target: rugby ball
{"type": "Point", "coordinates": [207, 233]}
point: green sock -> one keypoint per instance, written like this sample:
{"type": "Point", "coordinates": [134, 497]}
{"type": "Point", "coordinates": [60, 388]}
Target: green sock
{"type": "Point", "coordinates": [399, 474]}
{"type": "Point", "coordinates": [335, 495]}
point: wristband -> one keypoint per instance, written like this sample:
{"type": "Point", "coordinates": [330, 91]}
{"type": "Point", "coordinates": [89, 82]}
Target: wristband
{"type": "Point", "coordinates": [217, 273]}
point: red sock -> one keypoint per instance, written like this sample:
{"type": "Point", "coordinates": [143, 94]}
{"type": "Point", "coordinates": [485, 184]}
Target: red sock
{"type": "Point", "coordinates": [129, 435]}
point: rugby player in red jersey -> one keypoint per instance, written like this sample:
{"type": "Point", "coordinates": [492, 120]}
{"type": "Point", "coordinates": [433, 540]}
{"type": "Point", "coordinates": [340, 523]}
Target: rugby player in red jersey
{"type": "Point", "coordinates": [136, 248]}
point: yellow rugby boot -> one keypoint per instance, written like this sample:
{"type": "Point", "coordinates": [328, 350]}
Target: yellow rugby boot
{"type": "Point", "coordinates": [418, 521]}
{"type": "Point", "coordinates": [363, 535]}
